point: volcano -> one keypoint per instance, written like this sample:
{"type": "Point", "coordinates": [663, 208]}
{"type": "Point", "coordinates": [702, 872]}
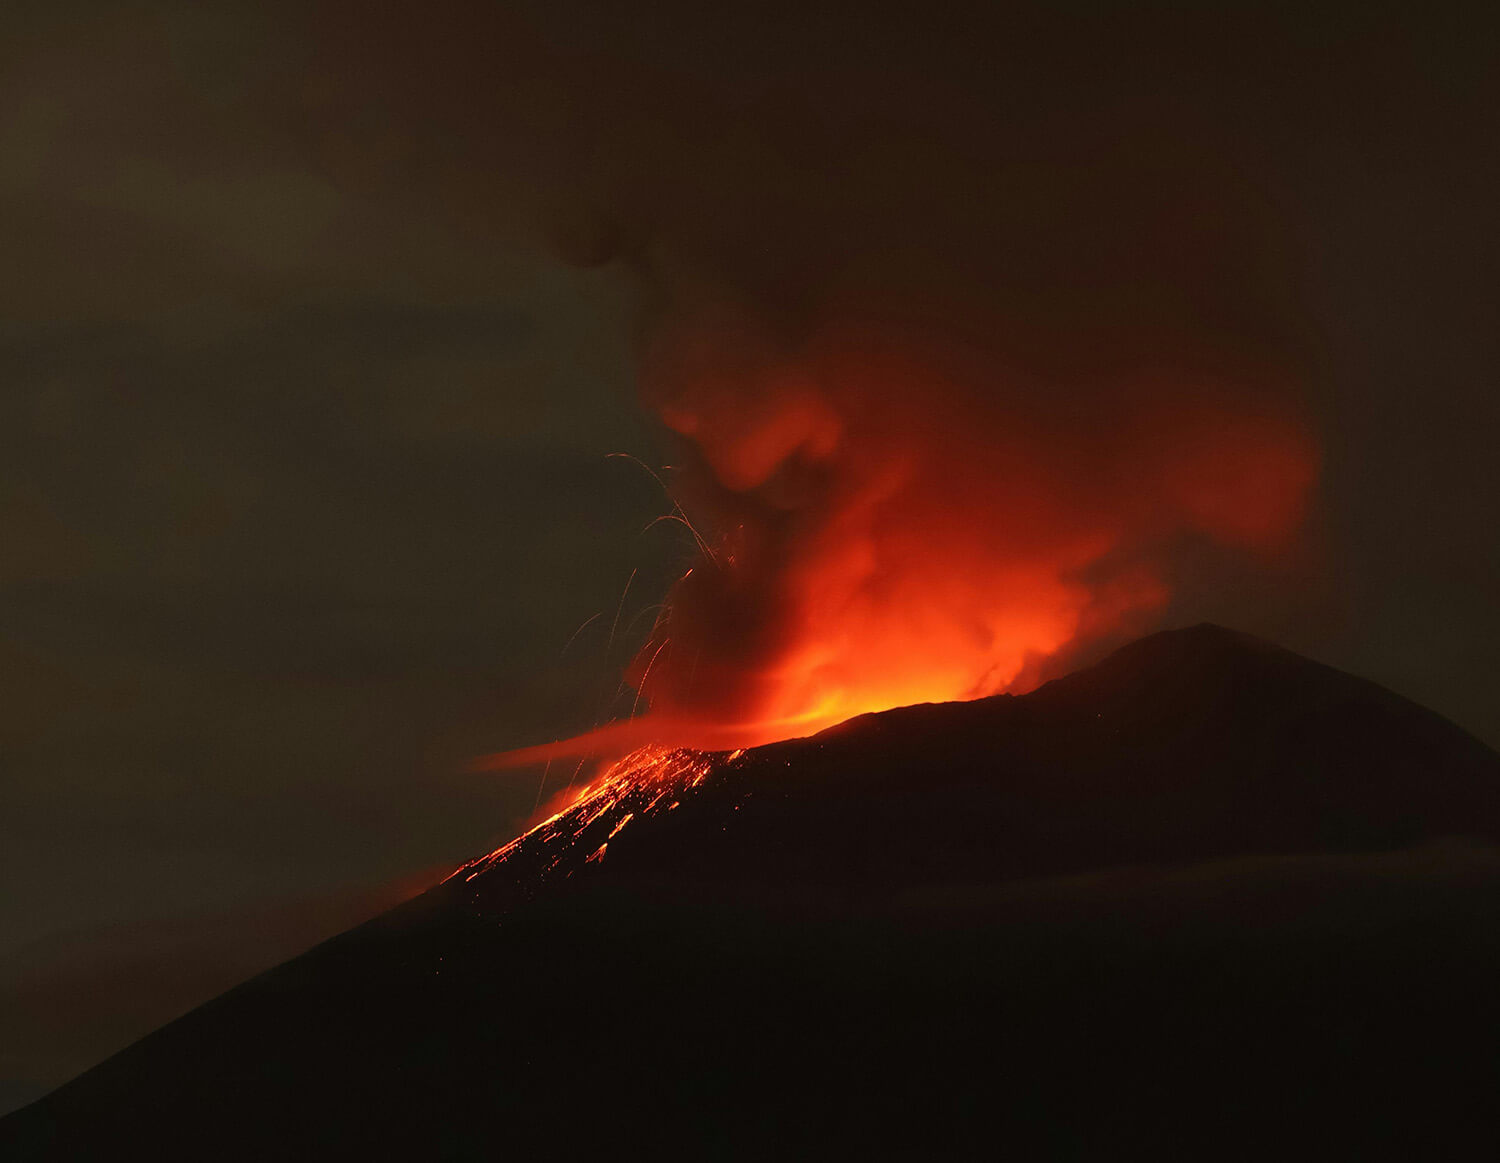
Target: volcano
{"type": "Point", "coordinates": [1206, 899]}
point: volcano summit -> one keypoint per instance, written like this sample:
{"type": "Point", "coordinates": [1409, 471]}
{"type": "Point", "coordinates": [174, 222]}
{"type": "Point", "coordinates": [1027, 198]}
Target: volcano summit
{"type": "Point", "coordinates": [1206, 899]}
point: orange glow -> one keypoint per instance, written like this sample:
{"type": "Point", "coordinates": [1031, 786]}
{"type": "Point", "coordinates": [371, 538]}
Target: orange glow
{"type": "Point", "coordinates": [641, 785]}
{"type": "Point", "coordinates": [899, 524]}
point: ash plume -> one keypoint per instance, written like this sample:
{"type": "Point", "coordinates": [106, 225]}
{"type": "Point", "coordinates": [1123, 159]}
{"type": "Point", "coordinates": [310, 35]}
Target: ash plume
{"type": "Point", "coordinates": [962, 329]}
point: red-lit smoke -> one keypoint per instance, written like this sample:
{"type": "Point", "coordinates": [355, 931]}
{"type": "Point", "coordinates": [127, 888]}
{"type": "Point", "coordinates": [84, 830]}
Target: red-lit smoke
{"type": "Point", "coordinates": [890, 518]}
{"type": "Point", "coordinates": [901, 528]}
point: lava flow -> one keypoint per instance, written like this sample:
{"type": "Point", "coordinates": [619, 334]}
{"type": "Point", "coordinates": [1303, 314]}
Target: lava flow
{"type": "Point", "coordinates": [646, 783]}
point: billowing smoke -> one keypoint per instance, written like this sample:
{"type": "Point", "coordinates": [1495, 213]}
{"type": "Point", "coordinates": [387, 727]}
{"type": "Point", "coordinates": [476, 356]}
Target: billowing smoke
{"type": "Point", "coordinates": [894, 514]}
{"type": "Point", "coordinates": [964, 324]}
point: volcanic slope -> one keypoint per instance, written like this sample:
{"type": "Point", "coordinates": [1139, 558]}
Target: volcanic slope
{"type": "Point", "coordinates": [1206, 899]}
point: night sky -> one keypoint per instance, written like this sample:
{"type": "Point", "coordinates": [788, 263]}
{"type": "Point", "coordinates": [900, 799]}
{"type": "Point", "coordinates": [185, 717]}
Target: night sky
{"type": "Point", "coordinates": [320, 327]}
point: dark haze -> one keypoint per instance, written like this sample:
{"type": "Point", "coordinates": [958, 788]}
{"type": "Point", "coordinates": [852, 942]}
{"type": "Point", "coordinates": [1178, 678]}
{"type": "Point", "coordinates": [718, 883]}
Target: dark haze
{"type": "Point", "coordinates": [320, 322]}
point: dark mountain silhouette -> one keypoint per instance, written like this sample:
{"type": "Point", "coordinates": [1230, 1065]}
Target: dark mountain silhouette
{"type": "Point", "coordinates": [1206, 899]}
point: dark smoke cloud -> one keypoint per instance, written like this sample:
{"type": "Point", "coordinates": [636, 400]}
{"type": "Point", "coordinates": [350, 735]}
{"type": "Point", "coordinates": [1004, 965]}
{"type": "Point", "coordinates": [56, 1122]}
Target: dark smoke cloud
{"type": "Point", "coordinates": [1007, 295]}
{"type": "Point", "coordinates": [963, 325]}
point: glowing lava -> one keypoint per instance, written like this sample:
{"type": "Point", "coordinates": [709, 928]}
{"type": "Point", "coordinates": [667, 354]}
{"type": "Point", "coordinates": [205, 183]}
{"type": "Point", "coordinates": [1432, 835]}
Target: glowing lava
{"type": "Point", "coordinates": [649, 782]}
